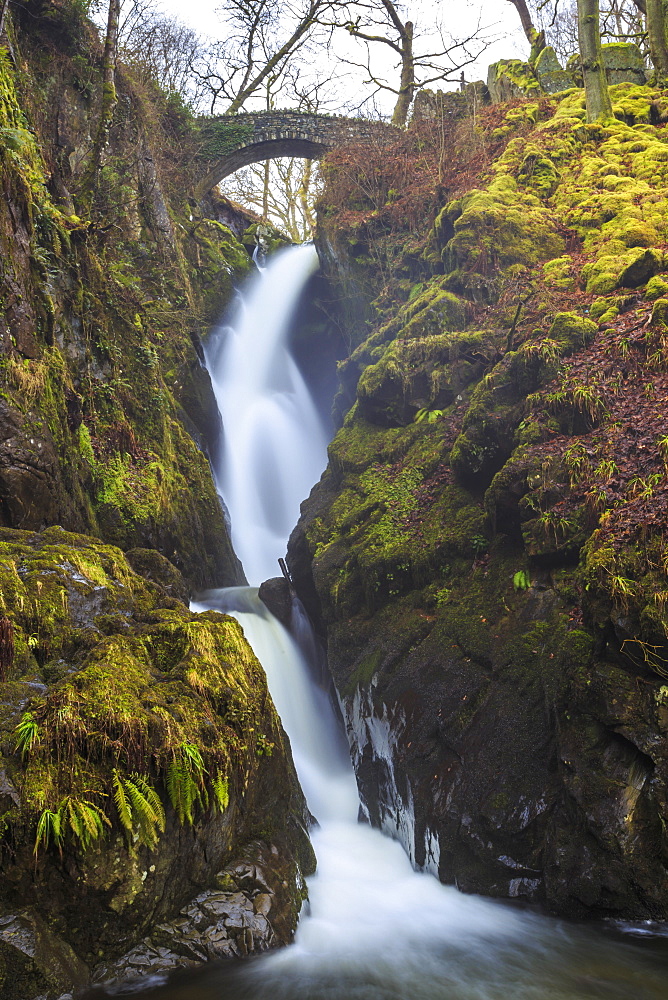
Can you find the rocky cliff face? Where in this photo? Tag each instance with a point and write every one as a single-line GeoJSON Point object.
{"type": "Point", "coordinates": [486, 552]}
{"type": "Point", "coordinates": [143, 768]}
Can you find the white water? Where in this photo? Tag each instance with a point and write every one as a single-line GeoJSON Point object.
{"type": "Point", "coordinates": [376, 929]}
{"type": "Point", "coordinates": [274, 446]}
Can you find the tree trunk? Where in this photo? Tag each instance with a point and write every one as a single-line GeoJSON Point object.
{"type": "Point", "coordinates": [407, 83]}
{"type": "Point", "coordinates": [3, 13]}
{"type": "Point", "coordinates": [109, 97]}
{"type": "Point", "coordinates": [656, 31]}
{"type": "Point", "coordinates": [535, 38]}
{"type": "Point", "coordinates": [302, 194]}
{"type": "Point", "coordinates": [596, 86]}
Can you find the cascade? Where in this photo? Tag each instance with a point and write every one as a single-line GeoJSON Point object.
{"type": "Point", "coordinates": [374, 929]}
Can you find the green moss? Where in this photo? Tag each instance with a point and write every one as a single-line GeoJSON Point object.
{"type": "Point", "coordinates": [141, 683]}
{"type": "Point", "coordinates": [660, 312]}
{"type": "Point", "coordinates": [427, 372]}
{"type": "Point", "coordinates": [571, 332]}
{"type": "Point", "coordinates": [657, 287]}
{"type": "Point", "coordinates": [509, 78]}
{"type": "Point", "coordinates": [500, 227]}
{"type": "Point", "coordinates": [559, 273]}
{"type": "Point", "coordinates": [629, 269]}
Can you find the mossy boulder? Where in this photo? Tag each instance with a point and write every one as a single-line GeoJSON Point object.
{"type": "Point", "coordinates": [489, 428]}
{"type": "Point", "coordinates": [508, 79]}
{"type": "Point", "coordinates": [657, 287]}
{"type": "Point", "coordinates": [500, 227]}
{"type": "Point", "coordinates": [552, 77]}
{"type": "Point", "coordinates": [139, 746]}
{"type": "Point", "coordinates": [623, 63]}
{"type": "Point", "coordinates": [428, 373]}
{"type": "Point", "coordinates": [630, 269]}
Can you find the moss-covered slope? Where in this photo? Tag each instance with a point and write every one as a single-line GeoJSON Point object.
{"type": "Point", "coordinates": [487, 549]}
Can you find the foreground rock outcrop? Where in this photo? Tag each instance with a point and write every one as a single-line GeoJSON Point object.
{"type": "Point", "coordinates": [141, 754]}
{"type": "Point", "coordinates": [486, 553]}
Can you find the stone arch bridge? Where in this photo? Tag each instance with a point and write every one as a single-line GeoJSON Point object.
{"type": "Point", "coordinates": [239, 140]}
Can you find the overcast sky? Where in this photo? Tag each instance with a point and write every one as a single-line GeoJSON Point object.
{"type": "Point", "coordinates": [498, 18]}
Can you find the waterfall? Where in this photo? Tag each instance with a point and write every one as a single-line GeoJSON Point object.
{"type": "Point", "coordinates": [274, 446]}
{"type": "Point", "coordinates": [375, 928]}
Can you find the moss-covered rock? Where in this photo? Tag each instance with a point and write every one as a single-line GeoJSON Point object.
{"type": "Point", "coordinates": [623, 63]}
{"type": "Point", "coordinates": [104, 411]}
{"type": "Point", "coordinates": [511, 78]}
{"type": "Point", "coordinates": [499, 227]}
{"type": "Point", "coordinates": [130, 728]}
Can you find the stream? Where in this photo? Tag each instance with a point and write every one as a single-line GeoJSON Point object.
{"type": "Point", "coordinates": [374, 929]}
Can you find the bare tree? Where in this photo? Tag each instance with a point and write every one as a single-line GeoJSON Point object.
{"type": "Point", "coordinates": [166, 51]}
{"type": "Point", "coordinates": [377, 23]}
{"type": "Point", "coordinates": [260, 38]}
{"type": "Point", "coordinates": [286, 201]}
{"type": "Point", "coordinates": [656, 30]}
{"type": "Point", "coordinates": [621, 20]}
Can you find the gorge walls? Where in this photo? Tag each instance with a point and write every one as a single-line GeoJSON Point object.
{"type": "Point", "coordinates": [486, 553]}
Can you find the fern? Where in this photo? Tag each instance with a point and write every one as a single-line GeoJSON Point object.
{"type": "Point", "coordinates": [123, 807]}
{"type": "Point", "coordinates": [139, 808]}
{"type": "Point", "coordinates": [81, 817]}
{"type": "Point", "coordinates": [148, 814]}
{"type": "Point", "coordinates": [48, 830]}
{"type": "Point", "coordinates": [85, 819]}
{"type": "Point", "coordinates": [153, 799]}
{"type": "Point", "coordinates": [221, 794]}
{"type": "Point", "coordinates": [185, 782]}
{"type": "Point", "coordinates": [27, 733]}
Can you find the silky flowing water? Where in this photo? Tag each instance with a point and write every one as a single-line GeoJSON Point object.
{"type": "Point", "coordinates": [374, 929]}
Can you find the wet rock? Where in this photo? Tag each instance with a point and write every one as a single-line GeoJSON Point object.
{"type": "Point", "coordinates": [158, 569]}
{"type": "Point", "coordinates": [115, 637]}
{"type": "Point", "coordinates": [215, 925]}
{"type": "Point", "coordinates": [29, 472]}
{"type": "Point", "coordinates": [34, 960]}
{"type": "Point", "coordinates": [277, 597]}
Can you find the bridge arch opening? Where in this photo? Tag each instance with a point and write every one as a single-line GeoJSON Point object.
{"type": "Point", "coordinates": [272, 149]}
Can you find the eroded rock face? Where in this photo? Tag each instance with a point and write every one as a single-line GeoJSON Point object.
{"type": "Point", "coordinates": [508, 758]}
{"type": "Point", "coordinates": [276, 596]}
{"type": "Point", "coordinates": [250, 911]}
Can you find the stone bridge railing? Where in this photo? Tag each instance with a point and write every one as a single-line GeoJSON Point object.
{"type": "Point", "coordinates": [238, 140]}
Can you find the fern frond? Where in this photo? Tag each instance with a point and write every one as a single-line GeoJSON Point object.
{"type": "Point", "coordinates": [26, 733]}
{"type": "Point", "coordinates": [69, 813]}
{"type": "Point", "coordinates": [193, 757]}
{"type": "Point", "coordinates": [48, 829]}
{"type": "Point", "coordinates": [85, 819]}
{"type": "Point", "coordinates": [152, 797]}
{"type": "Point", "coordinates": [221, 793]}
{"type": "Point", "coordinates": [146, 818]}
{"type": "Point", "coordinates": [93, 820]}
{"type": "Point", "coordinates": [123, 807]}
